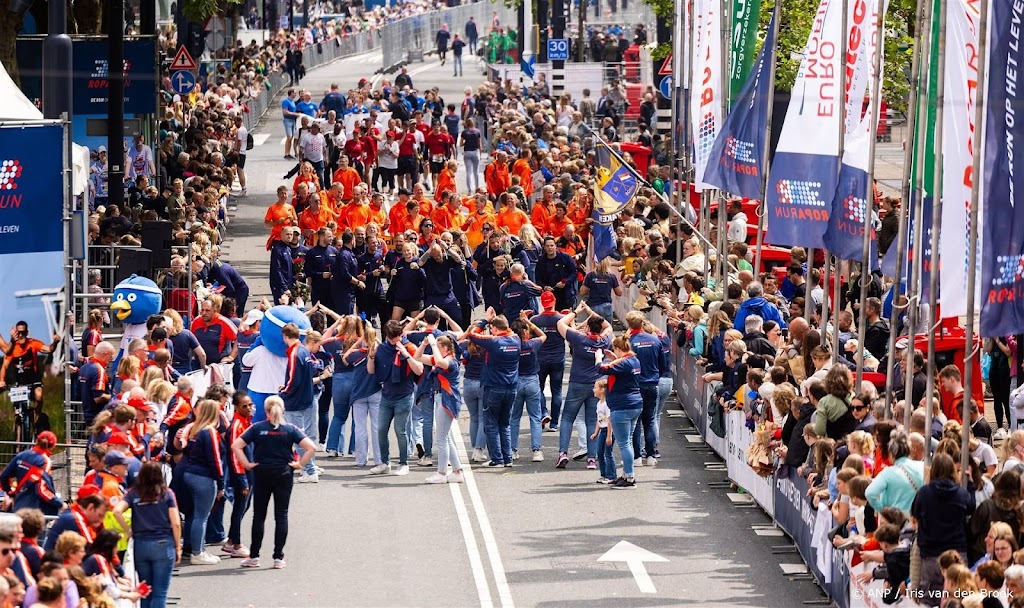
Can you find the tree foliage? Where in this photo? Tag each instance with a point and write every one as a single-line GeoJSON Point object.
{"type": "Point", "coordinates": [201, 10]}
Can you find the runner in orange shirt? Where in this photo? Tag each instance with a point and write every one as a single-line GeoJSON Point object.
{"type": "Point", "coordinates": [347, 177]}
{"type": "Point", "coordinates": [510, 217]}
{"type": "Point", "coordinates": [523, 169]}
{"type": "Point", "coordinates": [446, 180]}
{"type": "Point", "coordinates": [558, 222]}
{"type": "Point", "coordinates": [399, 212]}
{"type": "Point", "coordinates": [315, 217]}
{"type": "Point", "coordinates": [357, 213]}
{"type": "Point", "coordinates": [377, 215]}
{"type": "Point", "coordinates": [444, 214]}
{"type": "Point", "coordinates": [332, 198]}
{"type": "Point", "coordinates": [279, 215]}
{"type": "Point", "coordinates": [496, 175]}
{"type": "Point", "coordinates": [306, 176]}
{"type": "Point", "coordinates": [540, 215]}
{"type": "Point", "coordinates": [419, 194]}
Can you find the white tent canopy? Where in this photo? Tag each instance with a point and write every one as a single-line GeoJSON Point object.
{"type": "Point", "coordinates": [15, 106]}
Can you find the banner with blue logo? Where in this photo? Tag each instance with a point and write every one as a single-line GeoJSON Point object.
{"type": "Point", "coordinates": [1002, 268]}
{"type": "Point", "coordinates": [913, 222]}
{"type": "Point", "coordinates": [31, 226]}
{"type": "Point", "coordinates": [615, 186]}
{"type": "Point", "coordinates": [738, 153]}
{"type": "Point", "coordinates": [805, 170]}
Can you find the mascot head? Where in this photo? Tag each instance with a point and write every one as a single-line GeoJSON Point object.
{"type": "Point", "coordinates": [276, 318]}
{"type": "Point", "coordinates": [135, 300]}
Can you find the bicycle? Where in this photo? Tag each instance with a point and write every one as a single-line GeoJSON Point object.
{"type": "Point", "coordinates": [27, 401]}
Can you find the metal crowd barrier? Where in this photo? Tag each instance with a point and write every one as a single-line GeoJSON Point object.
{"type": "Point", "coordinates": [782, 495]}
{"type": "Point", "coordinates": [414, 35]}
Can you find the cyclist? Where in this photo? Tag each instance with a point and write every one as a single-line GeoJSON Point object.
{"type": "Point", "coordinates": [22, 355]}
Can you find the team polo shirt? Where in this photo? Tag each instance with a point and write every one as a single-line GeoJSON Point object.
{"type": "Point", "coordinates": [93, 381]}
{"type": "Point", "coordinates": [407, 144]}
{"type": "Point", "coordinates": [517, 296]}
{"type": "Point", "coordinates": [600, 286]}
{"type": "Point", "coordinates": [584, 349]}
{"type": "Point", "coordinates": [438, 144]}
{"type": "Point", "coordinates": [215, 337]}
{"type": "Point", "coordinates": [392, 370]}
{"type": "Point", "coordinates": [648, 351]}
{"type": "Point", "coordinates": [528, 365]}
{"type": "Point", "coordinates": [272, 446]}
{"type": "Point", "coordinates": [501, 360]}
{"type": "Point", "coordinates": [623, 384]}
{"type": "Point", "coordinates": [553, 349]}
{"type": "Point", "coordinates": [308, 108]}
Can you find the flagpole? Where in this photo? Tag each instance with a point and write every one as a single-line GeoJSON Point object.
{"type": "Point", "coordinates": [933, 277]}
{"type": "Point", "coordinates": [972, 249]}
{"type": "Point", "coordinates": [869, 200]}
{"type": "Point", "coordinates": [677, 85]}
{"type": "Point", "coordinates": [685, 168]}
{"type": "Point", "coordinates": [723, 240]}
{"type": "Point", "coordinates": [845, 46]}
{"type": "Point", "coordinates": [917, 268]}
{"type": "Point", "coordinates": [766, 154]}
{"type": "Point", "coordinates": [917, 63]}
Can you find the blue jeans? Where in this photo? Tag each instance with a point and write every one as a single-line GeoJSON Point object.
{"type": "Point", "coordinates": [215, 524]}
{"type": "Point", "coordinates": [397, 411]}
{"type": "Point", "coordinates": [605, 457]}
{"type": "Point", "coordinates": [623, 422]}
{"type": "Point", "coordinates": [527, 394]}
{"type": "Point", "coordinates": [421, 424]}
{"type": "Point", "coordinates": [577, 396]}
{"type": "Point", "coordinates": [603, 310]}
{"type": "Point", "coordinates": [497, 420]}
{"type": "Point", "coordinates": [447, 451]}
{"type": "Point", "coordinates": [458, 65]}
{"type": "Point", "coordinates": [366, 411]}
{"type": "Point", "coordinates": [203, 491]}
{"type": "Point", "coordinates": [305, 420]}
{"type": "Point", "coordinates": [665, 386]}
{"type": "Point", "coordinates": [239, 506]}
{"type": "Point", "coordinates": [341, 388]}
{"type": "Point", "coordinates": [555, 371]}
{"type": "Point", "coordinates": [154, 563]}
{"type": "Point", "coordinates": [649, 393]}
{"type": "Point", "coordinates": [473, 396]}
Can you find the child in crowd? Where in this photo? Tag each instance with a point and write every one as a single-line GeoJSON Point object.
{"type": "Point", "coordinates": [753, 405]}
{"type": "Point", "coordinates": [861, 443]}
{"type": "Point", "coordinates": [810, 438]}
{"type": "Point", "coordinates": [603, 435]}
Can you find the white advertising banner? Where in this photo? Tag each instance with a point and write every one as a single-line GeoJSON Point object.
{"type": "Point", "coordinates": [706, 97]}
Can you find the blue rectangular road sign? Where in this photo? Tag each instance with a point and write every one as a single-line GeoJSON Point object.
{"type": "Point", "coordinates": [558, 49]}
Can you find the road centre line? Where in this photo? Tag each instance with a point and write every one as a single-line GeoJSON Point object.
{"type": "Point", "coordinates": [479, 573]}
{"type": "Point", "coordinates": [497, 568]}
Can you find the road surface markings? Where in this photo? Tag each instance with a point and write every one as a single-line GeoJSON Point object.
{"type": "Point", "coordinates": [497, 568]}
{"type": "Point", "coordinates": [479, 574]}
{"type": "Point", "coordinates": [258, 139]}
{"type": "Point", "coordinates": [634, 557]}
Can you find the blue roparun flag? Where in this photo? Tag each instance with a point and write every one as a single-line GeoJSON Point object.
{"type": "Point", "coordinates": [913, 222]}
{"type": "Point", "coordinates": [845, 234]}
{"type": "Point", "coordinates": [615, 187]}
{"type": "Point", "coordinates": [739, 147]}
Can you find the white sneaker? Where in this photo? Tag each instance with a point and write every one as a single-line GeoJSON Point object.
{"type": "Point", "coordinates": [538, 456]}
{"type": "Point", "coordinates": [652, 461]}
{"type": "Point", "coordinates": [204, 559]}
{"type": "Point", "coordinates": [478, 455]}
{"type": "Point", "coordinates": [381, 469]}
{"type": "Point", "coordinates": [319, 469]}
{"type": "Point", "coordinates": [456, 477]}
{"type": "Point", "coordinates": [515, 454]}
{"type": "Point", "coordinates": [580, 454]}
{"type": "Point", "coordinates": [426, 461]}
{"type": "Point", "coordinates": [436, 478]}
{"type": "Point", "coordinates": [638, 462]}
{"type": "Point", "coordinates": [402, 470]}
{"type": "Point", "coordinates": [321, 447]}
{"type": "Point", "coordinates": [332, 454]}
{"type": "Point", "coordinates": [305, 478]}
{"type": "Point", "coordinates": [999, 435]}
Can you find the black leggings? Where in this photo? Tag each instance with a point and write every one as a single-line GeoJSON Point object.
{"type": "Point", "coordinates": [276, 482]}
{"type": "Point", "coordinates": [999, 380]}
{"type": "Point", "coordinates": [324, 404]}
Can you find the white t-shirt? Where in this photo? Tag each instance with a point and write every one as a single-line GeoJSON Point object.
{"type": "Point", "coordinates": [985, 455]}
{"type": "Point", "coordinates": [385, 160]}
{"type": "Point", "coordinates": [737, 230]}
{"type": "Point", "coordinates": [243, 137]}
{"type": "Point", "coordinates": [603, 414]}
{"type": "Point", "coordinates": [140, 162]}
{"type": "Point", "coordinates": [313, 146]}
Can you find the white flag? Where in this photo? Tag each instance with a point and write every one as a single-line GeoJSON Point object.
{"type": "Point", "coordinates": [706, 97]}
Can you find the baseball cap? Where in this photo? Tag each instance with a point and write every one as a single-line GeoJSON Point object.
{"type": "Point", "coordinates": [88, 489]}
{"type": "Point", "coordinates": [48, 437]}
{"type": "Point", "coordinates": [114, 458]}
{"type": "Point", "coordinates": [138, 403]}
{"type": "Point", "coordinates": [252, 317]}
{"type": "Point", "coordinates": [547, 299]}
{"type": "Point", "coordinates": [901, 344]}
{"type": "Point", "coordinates": [101, 149]}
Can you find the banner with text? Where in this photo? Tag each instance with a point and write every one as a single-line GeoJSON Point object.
{"type": "Point", "coordinates": [805, 170]}
{"type": "Point", "coordinates": [959, 96]}
{"type": "Point", "coordinates": [706, 96]}
{"type": "Point", "coordinates": [746, 14]}
{"type": "Point", "coordinates": [1002, 308]}
{"type": "Point", "coordinates": [738, 153]}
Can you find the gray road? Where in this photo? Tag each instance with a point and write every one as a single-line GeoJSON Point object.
{"type": "Point", "coordinates": [529, 536]}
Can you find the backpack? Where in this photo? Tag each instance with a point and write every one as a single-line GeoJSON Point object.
{"type": "Point", "coordinates": [249, 143]}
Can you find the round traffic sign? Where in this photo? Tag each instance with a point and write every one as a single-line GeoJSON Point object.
{"type": "Point", "coordinates": [665, 87]}
{"type": "Point", "coordinates": [215, 41]}
{"type": "Point", "coordinates": [182, 82]}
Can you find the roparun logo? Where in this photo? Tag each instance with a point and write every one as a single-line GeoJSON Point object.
{"type": "Point", "coordinates": [10, 171]}
{"type": "Point", "coordinates": [853, 209]}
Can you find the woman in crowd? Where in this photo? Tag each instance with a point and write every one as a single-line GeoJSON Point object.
{"type": "Point", "coordinates": [473, 395]}
{"type": "Point", "coordinates": [341, 347]}
{"type": "Point", "coordinates": [717, 329]}
{"type": "Point", "coordinates": [273, 465]}
{"type": "Point", "coordinates": [897, 484]}
{"type": "Point", "coordinates": [202, 467]}
{"type": "Point", "coordinates": [185, 345]}
{"type": "Point", "coordinates": [624, 402]}
{"type": "Point", "coordinates": [530, 249]}
{"type": "Point", "coordinates": [444, 381]}
{"type": "Point", "coordinates": [407, 283]}
{"type": "Point", "coordinates": [365, 396]}
{"type": "Point", "coordinates": [528, 393]}
{"type": "Point", "coordinates": [464, 279]}
{"type": "Point", "coordinates": [697, 327]}
{"type": "Point", "coordinates": [1003, 506]}
{"type": "Point", "coordinates": [598, 287]}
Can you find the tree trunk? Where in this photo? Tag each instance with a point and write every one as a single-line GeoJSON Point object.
{"type": "Point", "coordinates": [10, 23]}
{"type": "Point", "coordinates": [72, 21]}
{"type": "Point", "coordinates": [89, 15]}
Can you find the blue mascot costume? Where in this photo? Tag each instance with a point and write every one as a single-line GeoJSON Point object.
{"type": "Point", "coordinates": [135, 300]}
{"type": "Point", "coordinates": [268, 355]}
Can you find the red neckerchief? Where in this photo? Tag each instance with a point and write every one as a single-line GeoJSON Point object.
{"type": "Point", "coordinates": [83, 524]}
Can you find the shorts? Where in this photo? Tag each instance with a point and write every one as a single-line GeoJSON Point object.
{"type": "Point", "coordinates": [436, 167]}
{"type": "Point", "coordinates": [289, 127]}
{"type": "Point", "coordinates": [240, 163]}
{"type": "Point", "coordinates": [408, 305]}
{"type": "Point", "coordinates": [407, 165]}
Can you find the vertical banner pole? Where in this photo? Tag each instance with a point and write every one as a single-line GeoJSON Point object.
{"type": "Point", "coordinates": [845, 46]}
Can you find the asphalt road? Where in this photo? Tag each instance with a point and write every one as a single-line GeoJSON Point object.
{"type": "Point", "coordinates": [527, 536]}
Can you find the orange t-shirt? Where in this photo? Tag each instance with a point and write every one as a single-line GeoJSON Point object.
{"type": "Point", "coordinates": [356, 214]}
{"type": "Point", "coordinates": [426, 207]}
{"type": "Point", "coordinates": [522, 168]}
{"type": "Point", "coordinates": [279, 212]}
{"type": "Point", "coordinates": [302, 179]}
{"type": "Point", "coordinates": [497, 179]}
{"type": "Point", "coordinates": [540, 215]}
{"type": "Point", "coordinates": [397, 216]}
{"type": "Point", "coordinates": [556, 226]}
{"type": "Point", "coordinates": [443, 218]}
{"type": "Point", "coordinates": [474, 223]}
{"type": "Point", "coordinates": [445, 183]}
{"type": "Point", "coordinates": [309, 221]}
{"type": "Point", "coordinates": [377, 216]}
{"type": "Point", "coordinates": [511, 219]}
{"type": "Point", "coordinates": [349, 178]}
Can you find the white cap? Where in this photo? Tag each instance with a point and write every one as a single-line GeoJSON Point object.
{"type": "Point", "coordinates": [253, 317]}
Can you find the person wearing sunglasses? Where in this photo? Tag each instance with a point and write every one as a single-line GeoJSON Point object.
{"type": "Point", "coordinates": [860, 405]}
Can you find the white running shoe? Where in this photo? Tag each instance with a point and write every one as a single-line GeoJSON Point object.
{"type": "Point", "coordinates": [436, 478]}
{"type": "Point", "coordinates": [402, 470]}
{"type": "Point", "coordinates": [305, 478]}
{"type": "Point", "coordinates": [321, 447]}
{"type": "Point", "coordinates": [250, 562]}
{"type": "Point", "coordinates": [652, 461]}
{"type": "Point", "coordinates": [515, 454]}
{"type": "Point", "coordinates": [456, 477]}
{"type": "Point", "coordinates": [332, 454]}
{"type": "Point", "coordinates": [204, 559]}
{"type": "Point", "coordinates": [999, 435]}
{"type": "Point", "coordinates": [426, 461]}
{"type": "Point", "coordinates": [580, 454]}
{"type": "Point", "coordinates": [538, 456]}
{"type": "Point", "coordinates": [381, 469]}
{"type": "Point", "coordinates": [319, 469]}
{"type": "Point", "coordinates": [478, 455]}
{"type": "Point", "coordinates": [279, 564]}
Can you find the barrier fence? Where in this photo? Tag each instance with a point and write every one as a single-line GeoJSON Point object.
{"type": "Point", "coordinates": [782, 495]}
{"type": "Point", "coordinates": [413, 36]}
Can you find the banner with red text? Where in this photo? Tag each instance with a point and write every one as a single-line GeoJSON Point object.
{"type": "Point", "coordinates": [706, 95]}
{"type": "Point", "coordinates": [852, 202]}
{"type": "Point", "coordinates": [805, 171]}
{"type": "Point", "coordinates": [961, 82]}
{"type": "Point", "coordinates": [1002, 276]}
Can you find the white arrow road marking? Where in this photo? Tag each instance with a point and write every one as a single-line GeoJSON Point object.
{"type": "Point", "coordinates": [634, 557]}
